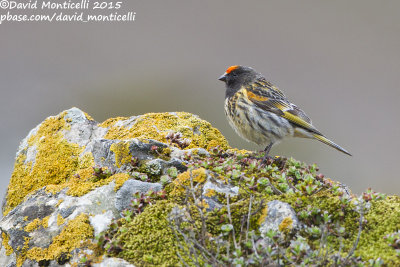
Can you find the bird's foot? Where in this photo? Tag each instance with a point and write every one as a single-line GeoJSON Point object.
{"type": "Point", "coordinates": [267, 160]}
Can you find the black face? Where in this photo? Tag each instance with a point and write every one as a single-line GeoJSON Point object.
{"type": "Point", "coordinates": [236, 77]}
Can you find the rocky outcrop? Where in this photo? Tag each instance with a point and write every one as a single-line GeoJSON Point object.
{"type": "Point", "coordinates": [73, 173]}
{"type": "Point", "coordinates": [124, 192]}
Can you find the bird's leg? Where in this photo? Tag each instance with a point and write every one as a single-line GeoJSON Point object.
{"type": "Point", "coordinates": [266, 151]}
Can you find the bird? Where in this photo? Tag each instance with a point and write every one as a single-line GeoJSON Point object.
{"type": "Point", "coordinates": [259, 112]}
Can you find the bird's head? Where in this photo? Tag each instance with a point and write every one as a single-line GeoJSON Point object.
{"type": "Point", "coordinates": [237, 76]}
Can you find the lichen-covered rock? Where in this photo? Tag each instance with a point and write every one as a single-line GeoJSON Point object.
{"type": "Point", "coordinates": [130, 187]}
{"type": "Point", "coordinates": [73, 176]}
{"type": "Point", "coordinates": [71, 143]}
{"type": "Point", "coordinates": [280, 217]}
{"type": "Point", "coordinates": [165, 189]}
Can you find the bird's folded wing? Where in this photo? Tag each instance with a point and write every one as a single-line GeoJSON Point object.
{"type": "Point", "coordinates": [283, 108]}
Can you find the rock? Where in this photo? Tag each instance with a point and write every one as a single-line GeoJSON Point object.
{"type": "Point", "coordinates": [213, 185]}
{"type": "Point", "coordinates": [125, 193]}
{"type": "Point", "coordinates": [7, 260]}
{"type": "Point", "coordinates": [113, 262]}
{"type": "Point", "coordinates": [100, 222]}
{"type": "Point", "coordinates": [73, 177]}
{"type": "Point", "coordinates": [220, 187]}
{"type": "Point", "coordinates": [280, 217]}
{"type": "Point", "coordinates": [56, 200]}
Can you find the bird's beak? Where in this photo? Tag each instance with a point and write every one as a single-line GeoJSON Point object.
{"type": "Point", "coordinates": [223, 77]}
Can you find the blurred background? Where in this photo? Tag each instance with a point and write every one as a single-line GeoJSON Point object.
{"type": "Point", "coordinates": [337, 60]}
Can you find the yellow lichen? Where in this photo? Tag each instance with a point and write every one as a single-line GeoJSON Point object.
{"type": "Point", "coordinates": [264, 214]}
{"type": "Point", "coordinates": [183, 180]}
{"type": "Point", "coordinates": [70, 238]}
{"type": "Point", "coordinates": [210, 193]}
{"type": "Point", "coordinates": [121, 151]}
{"type": "Point", "coordinates": [33, 225]}
{"type": "Point", "coordinates": [56, 160]}
{"type": "Point", "coordinates": [6, 239]}
{"type": "Point", "coordinates": [157, 125]}
{"type": "Point", "coordinates": [286, 224]}
{"type": "Point", "coordinates": [21, 255]}
{"type": "Point", "coordinates": [242, 152]}
{"type": "Point", "coordinates": [20, 260]}
{"type": "Point", "coordinates": [111, 122]}
{"type": "Point", "coordinates": [45, 221]}
{"type": "Point", "coordinates": [79, 187]}
{"type": "Point", "coordinates": [14, 196]}
{"type": "Point", "coordinates": [166, 151]}
{"type": "Point", "coordinates": [86, 161]}
{"type": "Point", "coordinates": [59, 202]}
{"type": "Point", "coordinates": [203, 205]}
{"type": "Point", "coordinates": [60, 219]}
{"type": "Point", "coordinates": [120, 179]}
{"type": "Point", "coordinates": [88, 116]}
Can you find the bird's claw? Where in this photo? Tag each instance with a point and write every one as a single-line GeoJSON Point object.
{"type": "Point", "coordinates": [267, 160]}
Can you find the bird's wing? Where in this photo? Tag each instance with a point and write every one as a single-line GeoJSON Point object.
{"type": "Point", "coordinates": [263, 87]}
{"type": "Point", "coordinates": [269, 98]}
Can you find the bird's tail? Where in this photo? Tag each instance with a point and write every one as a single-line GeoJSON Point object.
{"type": "Point", "coordinates": [325, 140]}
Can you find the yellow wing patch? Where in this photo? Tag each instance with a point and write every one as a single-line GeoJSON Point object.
{"type": "Point", "coordinates": [253, 96]}
{"type": "Point", "coordinates": [297, 120]}
{"type": "Point", "coordinates": [281, 106]}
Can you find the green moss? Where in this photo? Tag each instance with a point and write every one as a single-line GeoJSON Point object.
{"type": "Point", "coordinates": [148, 234]}
{"type": "Point", "coordinates": [306, 191]}
{"type": "Point", "coordinates": [147, 239]}
{"type": "Point", "coordinates": [157, 125]}
{"type": "Point", "coordinates": [383, 219]}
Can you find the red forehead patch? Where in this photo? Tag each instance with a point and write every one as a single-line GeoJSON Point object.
{"type": "Point", "coordinates": [231, 68]}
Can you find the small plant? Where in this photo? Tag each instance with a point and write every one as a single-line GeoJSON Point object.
{"type": "Point", "coordinates": [394, 241]}
{"type": "Point", "coordinates": [234, 245]}
{"type": "Point", "coordinates": [140, 201]}
{"type": "Point", "coordinates": [140, 176]}
{"type": "Point", "coordinates": [217, 229]}
{"type": "Point", "coordinates": [176, 139]}
{"type": "Point", "coordinates": [372, 195]}
{"type": "Point", "coordinates": [100, 173]}
{"type": "Point", "coordinates": [107, 241]}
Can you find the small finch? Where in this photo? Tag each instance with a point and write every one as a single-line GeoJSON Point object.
{"type": "Point", "coordinates": [260, 113]}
